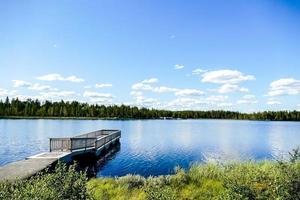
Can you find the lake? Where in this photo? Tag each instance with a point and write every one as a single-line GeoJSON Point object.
{"type": "Point", "coordinates": [155, 147]}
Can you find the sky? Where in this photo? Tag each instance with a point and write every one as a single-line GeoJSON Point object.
{"type": "Point", "coordinates": [177, 55]}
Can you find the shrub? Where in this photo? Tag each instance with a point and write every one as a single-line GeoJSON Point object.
{"type": "Point", "coordinates": [131, 181]}
{"type": "Point", "coordinates": [64, 183]}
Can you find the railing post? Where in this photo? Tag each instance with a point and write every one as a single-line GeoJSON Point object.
{"type": "Point", "coordinates": [70, 144]}
{"type": "Point", "coordinates": [71, 148]}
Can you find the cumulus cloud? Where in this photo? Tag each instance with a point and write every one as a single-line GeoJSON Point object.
{"type": "Point", "coordinates": [198, 71]}
{"type": "Point", "coordinates": [53, 96]}
{"type": "Point", "coordinates": [97, 95]}
{"type": "Point", "coordinates": [184, 103]}
{"type": "Point", "coordinates": [103, 85]}
{"type": "Point", "coordinates": [99, 98]}
{"type": "Point", "coordinates": [58, 77]}
{"type": "Point", "coordinates": [164, 89]}
{"type": "Point", "coordinates": [225, 77]}
{"type": "Point", "coordinates": [216, 98]}
{"type": "Point", "coordinates": [247, 99]}
{"type": "Point", "coordinates": [225, 104]}
{"type": "Point", "coordinates": [178, 66]}
{"type": "Point", "coordinates": [273, 102]}
{"type": "Point", "coordinates": [20, 83]}
{"type": "Point", "coordinates": [150, 80]}
{"type": "Point", "coordinates": [284, 86]}
{"type": "Point", "coordinates": [141, 86]}
{"type": "Point", "coordinates": [32, 86]}
{"type": "Point", "coordinates": [146, 85]}
{"type": "Point", "coordinates": [193, 103]}
{"type": "Point", "coordinates": [229, 88]}
{"type": "Point", "coordinates": [39, 87]}
{"type": "Point", "coordinates": [136, 93]}
{"type": "Point", "coordinates": [189, 92]}
{"type": "Point", "coordinates": [58, 94]}
{"type": "Point", "coordinates": [141, 101]}
{"type": "Point", "coordinates": [7, 93]}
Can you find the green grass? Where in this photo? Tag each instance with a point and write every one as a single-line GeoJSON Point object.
{"type": "Point", "coordinates": [248, 180]}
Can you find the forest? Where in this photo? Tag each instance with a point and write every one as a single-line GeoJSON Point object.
{"type": "Point", "coordinates": [47, 109]}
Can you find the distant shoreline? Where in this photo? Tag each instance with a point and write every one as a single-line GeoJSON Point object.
{"type": "Point", "coordinates": [115, 118]}
{"type": "Point", "coordinates": [34, 109]}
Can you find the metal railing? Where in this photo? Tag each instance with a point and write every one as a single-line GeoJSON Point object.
{"type": "Point", "coordinates": [90, 140]}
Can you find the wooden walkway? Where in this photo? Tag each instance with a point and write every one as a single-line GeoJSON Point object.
{"type": "Point", "coordinates": [61, 149]}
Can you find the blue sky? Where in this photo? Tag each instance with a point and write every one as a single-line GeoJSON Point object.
{"type": "Point", "coordinates": [200, 55]}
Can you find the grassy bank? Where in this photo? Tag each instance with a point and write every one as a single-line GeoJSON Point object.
{"type": "Point", "coordinates": [249, 180]}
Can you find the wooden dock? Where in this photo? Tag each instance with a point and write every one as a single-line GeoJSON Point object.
{"type": "Point", "coordinates": [61, 149]}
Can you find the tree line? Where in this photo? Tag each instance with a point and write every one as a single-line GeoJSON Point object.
{"type": "Point", "coordinates": [74, 109]}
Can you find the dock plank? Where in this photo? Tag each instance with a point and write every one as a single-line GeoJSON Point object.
{"type": "Point", "coordinates": [24, 168]}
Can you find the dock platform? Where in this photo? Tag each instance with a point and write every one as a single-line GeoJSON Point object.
{"type": "Point", "coordinates": [61, 149]}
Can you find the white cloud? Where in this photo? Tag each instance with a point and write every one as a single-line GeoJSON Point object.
{"type": "Point", "coordinates": [20, 83]}
{"type": "Point", "coordinates": [225, 104]}
{"type": "Point", "coordinates": [184, 103]}
{"type": "Point", "coordinates": [150, 80]}
{"type": "Point", "coordinates": [141, 86]}
{"type": "Point", "coordinates": [97, 95]}
{"type": "Point", "coordinates": [249, 96]}
{"type": "Point", "coordinates": [192, 103]}
{"type": "Point", "coordinates": [229, 88]}
{"type": "Point", "coordinates": [189, 92]}
{"type": "Point", "coordinates": [142, 101]}
{"type": "Point", "coordinates": [103, 85]}
{"type": "Point", "coordinates": [136, 93]}
{"type": "Point", "coordinates": [60, 94]}
{"type": "Point", "coordinates": [225, 77]}
{"type": "Point", "coordinates": [145, 85]}
{"type": "Point", "coordinates": [7, 93]}
{"type": "Point", "coordinates": [216, 98]}
{"type": "Point", "coordinates": [100, 98]}
{"type": "Point", "coordinates": [58, 77]}
{"type": "Point", "coordinates": [164, 89]}
{"type": "Point", "coordinates": [284, 86]}
{"type": "Point", "coordinates": [273, 102]}
{"type": "Point", "coordinates": [102, 101]}
{"type": "Point", "coordinates": [32, 86]}
{"type": "Point", "coordinates": [198, 71]}
{"type": "Point", "coordinates": [149, 102]}
{"type": "Point", "coordinates": [178, 66]}
{"type": "Point", "coordinates": [39, 87]}
{"type": "Point", "coordinates": [247, 99]}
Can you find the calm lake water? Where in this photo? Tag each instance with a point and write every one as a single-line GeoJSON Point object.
{"type": "Point", "coordinates": [154, 147]}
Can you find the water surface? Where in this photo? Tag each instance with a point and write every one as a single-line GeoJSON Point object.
{"type": "Point", "coordinates": [154, 147]}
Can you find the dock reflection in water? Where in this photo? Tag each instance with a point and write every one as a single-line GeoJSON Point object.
{"type": "Point", "coordinates": [93, 164]}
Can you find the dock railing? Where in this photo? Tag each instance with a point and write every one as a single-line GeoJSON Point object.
{"type": "Point", "coordinates": [92, 140]}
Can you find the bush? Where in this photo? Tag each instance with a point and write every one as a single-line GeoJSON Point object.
{"type": "Point", "coordinates": [64, 183]}
{"type": "Point", "coordinates": [131, 181]}
{"type": "Point", "coordinates": [248, 180]}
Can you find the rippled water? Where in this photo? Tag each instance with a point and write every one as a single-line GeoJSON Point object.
{"type": "Point", "coordinates": [153, 147]}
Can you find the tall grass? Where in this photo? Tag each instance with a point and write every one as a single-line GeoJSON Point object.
{"type": "Point", "coordinates": [248, 180]}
